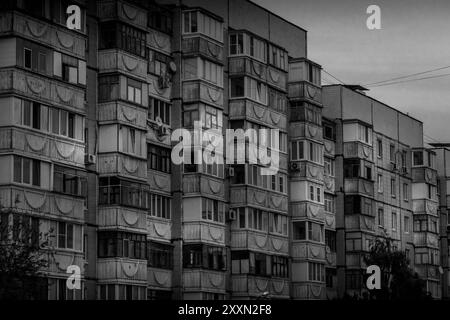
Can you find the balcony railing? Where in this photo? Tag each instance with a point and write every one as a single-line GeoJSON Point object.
{"type": "Point", "coordinates": [199, 45]}
{"type": "Point", "coordinates": [122, 218]}
{"type": "Point", "coordinates": [256, 286]}
{"type": "Point", "coordinates": [122, 269]}
{"type": "Point", "coordinates": [259, 241]}
{"type": "Point", "coordinates": [113, 60]}
{"type": "Point", "coordinates": [42, 144]}
{"type": "Point", "coordinates": [33, 200]}
{"type": "Point", "coordinates": [51, 91]}
{"type": "Point", "coordinates": [204, 280]}
{"type": "Point", "coordinates": [204, 232]}
{"type": "Point", "coordinates": [305, 90]}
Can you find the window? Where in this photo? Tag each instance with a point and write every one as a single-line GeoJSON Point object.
{"type": "Point", "coordinates": [280, 267]}
{"type": "Point", "coordinates": [257, 49]}
{"type": "Point", "coordinates": [394, 221]}
{"type": "Point", "coordinates": [392, 153]}
{"type": "Point", "coordinates": [130, 140]}
{"type": "Point", "coordinates": [115, 191]}
{"type": "Point", "coordinates": [379, 148]}
{"type": "Point", "coordinates": [134, 91]}
{"type": "Point", "coordinates": [212, 210]}
{"type": "Point", "coordinates": [204, 256]}
{"type": "Point", "coordinates": [353, 279]}
{"type": "Point", "coordinates": [158, 158]}
{"type": "Point", "coordinates": [380, 217]}
{"type": "Point", "coordinates": [329, 166]}
{"type": "Point", "coordinates": [256, 90]}
{"type": "Point", "coordinates": [297, 150]}
{"type": "Point", "coordinates": [316, 272]}
{"type": "Point", "coordinates": [122, 244]}
{"type": "Point", "coordinates": [69, 181]}
{"type": "Point", "coordinates": [393, 188]}
{"type": "Point", "coordinates": [108, 88]}
{"type": "Point", "coordinates": [330, 274]}
{"type": "Point", "coordinates": [407, 225]}
{"type": "Point", "coordinates": [114, 35]}
{"type": "Point", "coordinates": [405, 192]}
{"type": "Point", "coordinates": [159, 110]}
{"type": "Point", "coordinates": [42, 62]}
{"type": "Point", "coordinates": [159, 206]}
{"type": "Point", "coordinates": [237, 87]}
{"type": "Point", "coordinates": [27, 53]}
{"type": "Point", "coordinates": [330, 240]}
{"type": "Point", "coordinates": [351, 168]}
{"type": "Point", "coordinates": [303, 111]}
{"type": "Point", "coordinates": [277, 100]}
{"type": "Point", "coordinates": [213, 118]}
{"type": "Point", "coordinates": [329, 203]}
{"type": "Point", "coordinates": [69, 236]}
{"type": "Point", "coordinates": [278, 224]}
{"type": "Point", "coordinates": [278, 57]}
{"type": "Point", "coordinates": [315, 232]}
{"type": "Point", "coordinates": [260, 264]}
{"type": "Point", "coordinates": [189, 117]}
{"type": "Point", "coordinates": [365, 134]}
{"type": "Point", "coordinates": [157, 62]}
{"type": "Point", "coordinates": [315, 152]}
{"type": "Point", "coordinates": [190, 22]}
{"type": "Point", "coordinates": [212, 72]}
{"type": "Point", "coordinates": [417, 158]}
{"type": "Point", "coordinates": [236, 44]}
{"type": "Point", "coordinates": [27, 171]}
{"type": "Point", "coordinates": [380, 182]}
{"type": "Point", "coordinates": [368, 175]}
{"type": "Point", "coordinates": [70, 73]}
{"type": "Point", "coordinates": [160, 255]}
{"type": "Point", "coordinates": [299, 229]}
{"type": "Point", "coordinates": [160, 19]}
{"type": "Point", "coordinates": [328, 132]}
{"type": "Point", "coordinates": [257, 219]}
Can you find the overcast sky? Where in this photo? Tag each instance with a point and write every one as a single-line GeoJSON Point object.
{"type": "Point", "coordinates": [414, 37]}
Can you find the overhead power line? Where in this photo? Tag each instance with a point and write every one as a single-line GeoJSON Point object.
{"type": "Point", "coordinates": [335, 78]}
{"type": "Point", "coordinates": [407, 76]}
{"type": "Point", "coordinates": [411, 80]}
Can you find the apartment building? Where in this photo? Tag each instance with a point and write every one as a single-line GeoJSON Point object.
{"type": "Point", "coordinates": [87, 124]}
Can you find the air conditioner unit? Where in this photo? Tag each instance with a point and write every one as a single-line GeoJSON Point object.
{"type": "Point", "coordinates": [90, 158]}
{"type": "Point", "coordinates": [163, 130]}
{"type": "Point", "coordinates": [293, 166]}
{"type": "Point", "coordinates": [232, 215]}
{"type": "Point", "coordinates": [230, 172]}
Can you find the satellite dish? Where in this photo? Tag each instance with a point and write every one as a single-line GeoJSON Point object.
{"type": "Point", "coordinates": [172, 67]}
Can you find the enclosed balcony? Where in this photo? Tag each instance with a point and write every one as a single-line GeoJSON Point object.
{"type": "Point", "coordinates": [204, 232]}
{"type": "Point", "coordinates": [201, 280]}
{"type": "Point", "coordinates": [55, 36]}
{"type": "Point", "coordinates": [120, 218]}
{"type": "Point", "coordinates": [114, 60]}
{"type": "Point", "coordinates": [249, 110]}
{"type": "Point", "coordinates": [199, 45]}
{"type": "Point", "coordinates": [47, 90]}
{"type": "Point", "coordinates": [42, 144]}
{"type": "Point", "coordinates": [123, 11]}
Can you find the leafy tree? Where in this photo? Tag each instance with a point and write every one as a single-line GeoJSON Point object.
{"type": "Point", "coordinates": [21, 257]}
{"type": "Point", "coordinates": [398, 281]}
